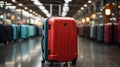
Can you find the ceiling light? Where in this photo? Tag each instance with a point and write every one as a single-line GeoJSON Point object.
{"type": "Point", "coordinates": [18, 9]}
{"type": "Point", "coordinates": [30, 10]}
{"type": "Point", "coordinates": [13, 0]}
{"type": "Point", "coordinates": [36, 14]}
{"type": "Point", "coordinates": [42, 7]}
{"type": "Point", "coordinates": [85, 5]}
{"type": "Point", "coordinates": [67, 1]}
{"type": "Point", "coordinates": [107, 11]}
{"type": "Point", "coordinates": [26, 8]}
{"type": "Point", "coordinates": [33, 12]}
{"type": "Point", "coordinates": [32, 0]}
{"type": "Point", "coordinates": [36, 2]}
{"type": "Point", "coordinates": [119, 6]}
{"type": "Point", "coordinates": [87, 19]}
{"type": "Point", "coordinates": [66, 4]}
{"type": "Point", "coordinates": [1, 16]}
{"type": "Point", "coordinates": [89, 1]}
{"type": "Point", "coordinates": [20, 4]}
{"type": "Point", "coordinates": [1, 5]}
{"type": "Point", "coordinates": [83, 20]}
{"type": "Point", "coordinates": [113, 3]}
{"type": "Point", "coordinates": [1, 2]}
{"type": "Point", "coordinates": [9, 4]}
{"type": "Point", "coordinates": [45, 11]}
{"type": "Point", "coordinates": [48, 14]}
{"type": "Point", "coordinates": [64, 14]}
{"type": "Point", "coordinates": [93, 16]}
{"type": "Point", "coordinates": [39, 15]}
{"type": "Point", "coordinates": [65, 8]}
{"type": "Point", "coordinates": [11, 7]}
{"type": "Point", "coordinates": [82, 8]}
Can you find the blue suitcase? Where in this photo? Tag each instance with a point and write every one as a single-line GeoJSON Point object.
{"type": "Point", "coordinates": [100, 32]}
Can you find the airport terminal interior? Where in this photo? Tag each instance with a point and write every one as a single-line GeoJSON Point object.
{"type": "Point", "coordinates": [31, 31]}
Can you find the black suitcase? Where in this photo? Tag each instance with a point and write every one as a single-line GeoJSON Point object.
{"type": "Point", "coordinates": [9, 32]}
{"type": "Point", "coordinates": [87, 34]}
{"type": "Point", "coordinates": [2, 33]}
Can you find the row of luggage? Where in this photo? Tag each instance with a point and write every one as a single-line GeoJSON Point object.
{"type": "Point", "coordinates": [15, 32]}
{"type": "Point", "coordinates": [107, 33]}
{"type": "Point", "coordinates": [59, 40]}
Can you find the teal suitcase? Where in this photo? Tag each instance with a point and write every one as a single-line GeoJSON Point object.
{"type": "Point", "coordinates": [15, 32]}
{"type": "Point", "coordinates": [28, 35]}
{"type": "Point", "coordinates": [44, 40]}
{"type": "Point", "coordinates": [32, 30]}
{"type": "Point", "coordinates": [23, 30]}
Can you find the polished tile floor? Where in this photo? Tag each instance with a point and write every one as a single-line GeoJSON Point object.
{"type": "Point", "coordinates": [28, 54]}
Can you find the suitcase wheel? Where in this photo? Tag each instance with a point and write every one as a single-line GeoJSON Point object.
{"type": "Point", "coordinates": [66, 64]}
{"type": "Point", "coordinates": [43, 61]}
{"type": "Point", "coordinates": [74, 61]}
{"type": "Point", "coordinates": [51, 64]}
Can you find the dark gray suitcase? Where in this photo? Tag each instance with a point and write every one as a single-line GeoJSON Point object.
{"type": "Point", "coordinates": [95, 32]}
{"type": "Point", "coordinates": [91, 31]}
{"type": "Point", "coordinates": [100, 32]}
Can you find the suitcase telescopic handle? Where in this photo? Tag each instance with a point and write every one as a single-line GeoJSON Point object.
{"type": "Point", "coordinates": [51, 6]}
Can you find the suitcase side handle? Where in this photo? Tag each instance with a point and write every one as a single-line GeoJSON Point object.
{"type": "Point", "coordinates": [43, 27]}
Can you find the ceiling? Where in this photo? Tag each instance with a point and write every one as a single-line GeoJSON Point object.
{"type": "Point", "coordinates": [74, 6]}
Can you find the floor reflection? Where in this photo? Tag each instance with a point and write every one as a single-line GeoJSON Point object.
{"type": "Point", "coordinates": [21, 54]}
{"type": "Point", "coordinates": [28, 54]}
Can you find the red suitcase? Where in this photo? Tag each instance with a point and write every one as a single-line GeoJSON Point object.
{"type": "Point", "coordinates": [110, 32]}
{"type": "Point", "coordinates": [78, 31]}
{"type": "Point", "coordinates": [118, 33]}
{"type": "Point", "coordinates": [62, 39]}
